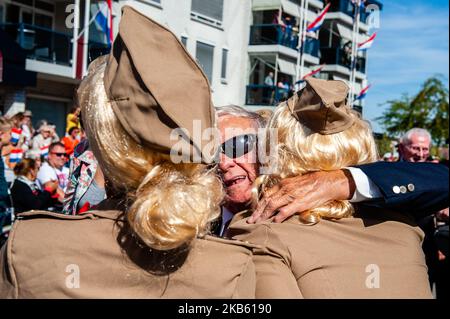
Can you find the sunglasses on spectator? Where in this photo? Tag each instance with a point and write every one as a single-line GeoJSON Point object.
{"type": "Point", "coordinates": [238, 146]}
{"type": "Point", "coordinates": [59, 154]}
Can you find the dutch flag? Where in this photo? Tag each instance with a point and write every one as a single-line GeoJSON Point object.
{"type": "Point", "coordinates": [15, 135]}
{"type": "Point", "coordinates": [44, 151]}
{"type": "Point", "coordinates": [103, 19]}
{"type": "Point", "coordinates": [363, 93]}
{"type": "Point", "coordinates": [314, 26]}
{"type": "Point", "coordinates": [16, 155]}
{"type": "Point", "coordinates": [367, 44]}
{"type": "Point", "coordinates": [311, 74]}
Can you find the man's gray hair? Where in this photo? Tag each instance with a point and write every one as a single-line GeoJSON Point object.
{"type": "Point", "coordinates": [238, 111]}
{"type": "Point", "coordinates": [406, 138]}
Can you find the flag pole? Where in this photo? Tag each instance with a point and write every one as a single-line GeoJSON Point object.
{"type": "Point", "coordinates": [299, 72]}
{"type": "Point", "coordinates": [354, 51]}
{"type": "Point", "coordinates": [302, 49]}
{"type": "Point", "coordinates": [87, 12]}
{"type": "Point", "coordinates": [76, 26]}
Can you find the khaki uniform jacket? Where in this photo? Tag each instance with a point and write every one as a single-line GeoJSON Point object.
{"type": "Point", "coordinates": [376, 254]}
{"type": "Point", "coordinates": [92, 255]}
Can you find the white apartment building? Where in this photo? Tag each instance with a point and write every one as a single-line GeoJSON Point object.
{"type": "Point", "coordinates": [238, 43]}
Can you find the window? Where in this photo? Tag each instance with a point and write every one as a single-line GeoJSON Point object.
{"type": "Point", "coordinates": [210, 11]}
{"type": "Point", "coordinates": [224, 64]}
{"type": "Point", "coordinates": [184, 41]}
{"type": "Point", "coordinates": [205, 57]}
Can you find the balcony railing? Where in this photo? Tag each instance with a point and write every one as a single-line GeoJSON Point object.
{"type": "Point", "coordinates": [273, 34]}
{"type": "Point", "coordinates": [340, 57]}
{"type": "Point", "coordinates": [347, 7]}
{"type": "Point", "coordinates": [97, 49]}
{"type": "Point", "coordinates": [41, 43]}
{"type": "Point", "coordinates": [265, 95]}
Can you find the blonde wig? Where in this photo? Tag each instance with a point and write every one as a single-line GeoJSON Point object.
{"type": "Point", "coordinates": [301, 151]}
{"type": "Point", "coordinates": [168, 204]}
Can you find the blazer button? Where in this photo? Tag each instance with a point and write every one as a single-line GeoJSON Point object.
{"type": "Point", "coordinates": [396, 189]}
{"type": "Point", "coordinates": [411, 187]}
{"type": "Point", "coordinates": [403, 189]}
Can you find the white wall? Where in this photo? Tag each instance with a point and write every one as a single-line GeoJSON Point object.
{"type": "Point", "coordinates": [234, 36]}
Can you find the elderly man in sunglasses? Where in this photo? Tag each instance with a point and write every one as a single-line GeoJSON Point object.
{"type": "Point", "coordinates": [399, 186]}
{"type": "Point", "coordinates": [54, 169]}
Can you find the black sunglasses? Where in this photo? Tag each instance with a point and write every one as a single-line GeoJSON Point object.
{"type": "Point", "coordinates": [238, 146]}
{"type": "Point", "coordinates": [60, 154]}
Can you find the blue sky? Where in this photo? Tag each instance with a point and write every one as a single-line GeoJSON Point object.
{"type": "Point", "coordinates": [411, 46]}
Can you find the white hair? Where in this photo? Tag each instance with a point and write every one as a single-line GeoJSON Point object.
{"type": "Point", "coordinates": [406, 138]}
{"type": "Point", "coordinates": [238, 111]}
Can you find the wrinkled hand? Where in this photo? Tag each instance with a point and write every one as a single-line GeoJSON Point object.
{"type": "Point", "coordinates": [301, 193]}
{"type": "Point", "coordinates": [443, 214]}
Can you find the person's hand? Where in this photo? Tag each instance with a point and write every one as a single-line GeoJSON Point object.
{"type": "Point", "coordinates": [51, 186]}
{"type": "Point", "coordinates": [61, 194]}
{"type": "Point", "coordinates": [301, 193]}
{"type": "Point", "coordinates": [443, 214]}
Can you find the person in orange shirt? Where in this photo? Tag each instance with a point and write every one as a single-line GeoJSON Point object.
{"type": "Point", "coordinates": [71, 140]}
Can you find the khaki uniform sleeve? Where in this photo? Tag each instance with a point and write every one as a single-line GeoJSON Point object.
{"type": "Point", "coordinates": [7, 277]}
{"type": "Point", "coordinates": [274, 277]}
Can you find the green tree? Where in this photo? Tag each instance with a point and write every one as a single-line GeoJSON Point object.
{"type": "Point", "coordinates": [428, 110]}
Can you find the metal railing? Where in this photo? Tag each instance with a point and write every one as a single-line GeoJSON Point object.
{"type": "Point", "coordinates": [347, 7]}
{"type": "Point", "coordinates": [49, 45]}
{"type": "Point", "coordinates": [270, 34]}
{"type": "Point", "coordinates": [41, 43]}
{"type": "Point", "coordinates": [341, 57]}
{"type": "Point", "coordinates": [257, 94]}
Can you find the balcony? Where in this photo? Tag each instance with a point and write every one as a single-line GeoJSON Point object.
{"type": "Point", "coordinates": [338, 56]}
{"type": "Point", "coordinates": [273, 34]}
{"type": "Point", "coordinates": [49, 51]}
{"type": "Point", "coordinates": [347, 7]}
{"type": "Point", "coordinates": [265, 95]}
{"type": "Point", "coordinates": [40, 43]}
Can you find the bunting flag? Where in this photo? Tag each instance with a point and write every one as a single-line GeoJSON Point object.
{"type": "Point", "coordinates": [15, 135]}
{"type": "Point", "coordinates": [16, 155]}
{"type": "Point", "coordinates": [363, 93]}
{"type": "Point", "coordinates": [316, 24]}
{"type": "Point", "coordinates": [367, 44]}
{"type": "Point", "coordinates": [44, 151]}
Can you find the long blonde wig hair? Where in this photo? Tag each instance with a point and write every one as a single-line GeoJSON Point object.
{"type": "Point", "coordinates": [168, 205]}
{"type": "Point", "coordinates": [300, 151]}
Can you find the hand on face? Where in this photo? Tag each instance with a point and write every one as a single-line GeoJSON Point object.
{"type": "Point", "coordinates": [301, 193]}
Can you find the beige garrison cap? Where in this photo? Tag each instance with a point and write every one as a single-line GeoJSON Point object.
{"type": "Point", "coordinates": [155, 86]}
{"type": "Point", "coordinates": [321, 106]}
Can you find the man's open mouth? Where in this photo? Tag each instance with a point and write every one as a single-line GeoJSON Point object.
{"type": "Point", "coordinates": [235, 180]}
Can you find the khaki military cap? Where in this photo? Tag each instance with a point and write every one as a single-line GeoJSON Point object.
{"type": "Point", "coordinates": [321, 106]}
{"type": "Point", "coordinates": [155, 86]}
